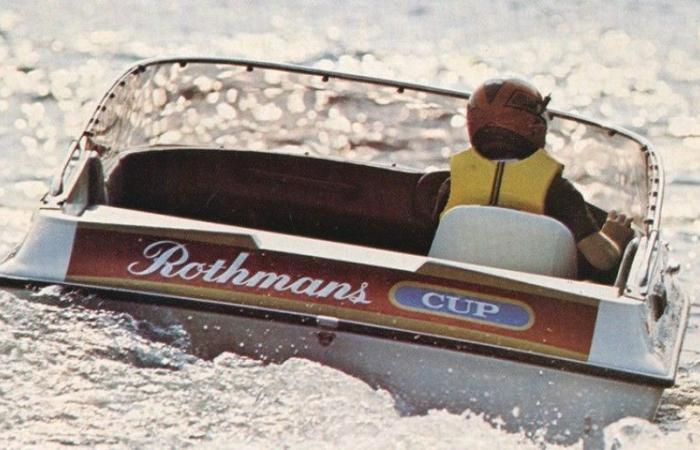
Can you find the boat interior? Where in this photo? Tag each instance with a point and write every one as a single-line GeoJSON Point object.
{"type": "Point", "coordinates": [362, 204]}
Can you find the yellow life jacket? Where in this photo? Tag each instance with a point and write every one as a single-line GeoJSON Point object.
{"type": "Point", "coordinates": [521, 184]}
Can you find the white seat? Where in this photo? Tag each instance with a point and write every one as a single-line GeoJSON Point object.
{"type": "Point", "coordinates": [507, 239]}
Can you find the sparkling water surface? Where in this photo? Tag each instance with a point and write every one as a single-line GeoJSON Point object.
{"type": "Point", "coordinates": [88, 378]}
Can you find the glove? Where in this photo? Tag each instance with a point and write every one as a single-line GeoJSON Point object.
{"type": "Point", "coordinates": [617, 228]}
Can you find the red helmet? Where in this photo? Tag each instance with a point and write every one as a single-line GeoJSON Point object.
{"type": "Point", "coordinates": [505, 119]}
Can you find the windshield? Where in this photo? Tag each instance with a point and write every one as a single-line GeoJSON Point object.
{"type": "Point", "coordinates": [610, 170]}
{"type": "Point", "coordinates": [253, 108]}
{"type": "Point", "coordinates": [243, 105]}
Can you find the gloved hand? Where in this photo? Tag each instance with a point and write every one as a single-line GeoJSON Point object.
{"type": "Point", "coordinates": [617, 228]}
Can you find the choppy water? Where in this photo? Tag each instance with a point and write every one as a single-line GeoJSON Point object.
{"type": "Point", "coordinates": [70, 376]}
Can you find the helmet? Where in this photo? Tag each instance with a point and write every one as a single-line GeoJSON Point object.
{"type": "Point", "coordinates": [505, 119]}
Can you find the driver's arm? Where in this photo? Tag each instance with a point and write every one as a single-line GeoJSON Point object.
{"type": "Point", "coordinates": [604, 248]}
{"type": "Point", "coordinates": [601, 246]}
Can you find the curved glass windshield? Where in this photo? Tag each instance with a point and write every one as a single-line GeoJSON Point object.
{"type": "Point", "coordinates": [256, 106]}
{"type": "Point", "coordinates": [609, 169]}
{"type": "Point", "coordinates": [234, 107]}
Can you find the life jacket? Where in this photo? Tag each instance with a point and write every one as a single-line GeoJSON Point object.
{"type": "Point", "coordinates": [520, 184]}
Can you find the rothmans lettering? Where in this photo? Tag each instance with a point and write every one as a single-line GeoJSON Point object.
{"type": "Point", "coordinates": [171, 259]}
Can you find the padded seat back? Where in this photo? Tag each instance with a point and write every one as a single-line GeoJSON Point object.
{"type": "Point", "coordinates": [320, 198]}
{"type": "Point", "coordinates": [506, 239]}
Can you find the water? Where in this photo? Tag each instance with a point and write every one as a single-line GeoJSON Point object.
{"type": "Point", "coordinates": [76, 377]}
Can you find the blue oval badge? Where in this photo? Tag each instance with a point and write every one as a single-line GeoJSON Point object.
{"type": "Point", "coordinates": [441, 301]}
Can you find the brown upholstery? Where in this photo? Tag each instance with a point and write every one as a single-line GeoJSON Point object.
{"type": "Point", "coordinates": [327, 199]}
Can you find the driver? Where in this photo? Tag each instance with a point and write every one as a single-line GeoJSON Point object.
{"type": "Point", "coordinates": [507, 166]}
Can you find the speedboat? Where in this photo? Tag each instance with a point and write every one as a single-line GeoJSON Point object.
{"type": "Point", "coordinates": [280, 211]}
